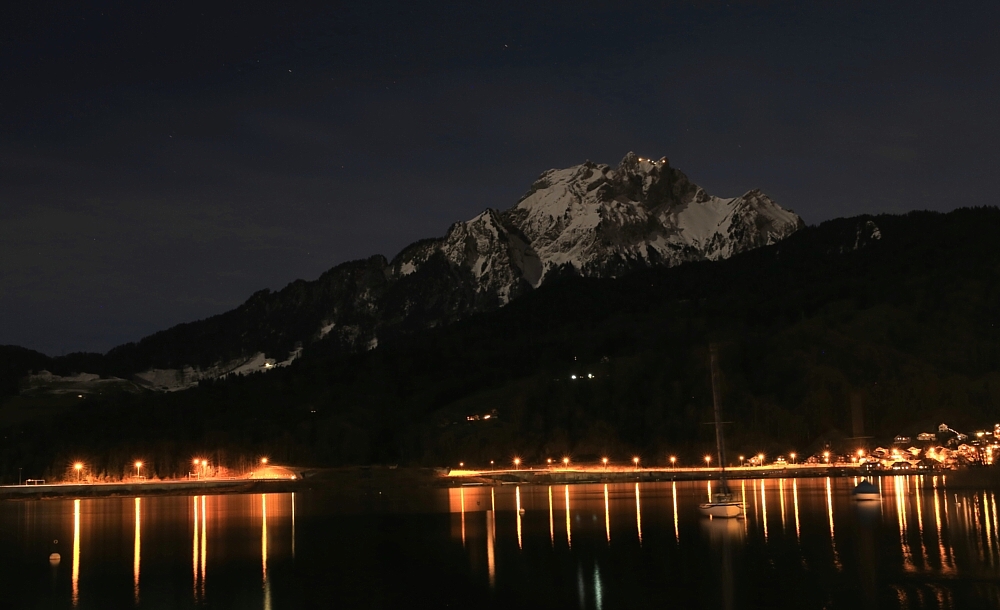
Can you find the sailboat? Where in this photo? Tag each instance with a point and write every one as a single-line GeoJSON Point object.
{"type": "Point", "coordinates": [722, 504]}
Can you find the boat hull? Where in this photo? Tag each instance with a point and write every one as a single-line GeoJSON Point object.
{"type": "Point", "coordinates": [727, 510]}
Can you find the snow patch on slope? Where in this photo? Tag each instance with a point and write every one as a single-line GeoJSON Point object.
{"type": "Point", "coordinates": [173, 380]}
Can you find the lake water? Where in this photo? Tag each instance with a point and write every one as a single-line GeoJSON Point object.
{"type": "Point", "coordinates": [803, 544]}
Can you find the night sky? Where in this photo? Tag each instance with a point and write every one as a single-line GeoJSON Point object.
{"type": "Point", "coordinates": [161, 161]}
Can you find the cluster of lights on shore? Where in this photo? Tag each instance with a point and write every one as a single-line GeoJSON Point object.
{"type": "Point", "coordinates": [197, 462]}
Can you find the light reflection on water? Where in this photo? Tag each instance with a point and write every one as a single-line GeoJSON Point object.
{"type": "Point", "coordinates": [922, 575]}
{"type": "Point", "coordinates": [76, 552]}
{"type": "Point", "coordinates": [626, 545]}
{"type": "Point", "coordinates": [136, 551]}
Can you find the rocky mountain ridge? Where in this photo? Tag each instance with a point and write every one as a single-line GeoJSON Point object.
{"type": "Point", "coordinates": [590, 220]}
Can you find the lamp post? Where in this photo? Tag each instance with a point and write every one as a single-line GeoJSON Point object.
{"type": "Point", "coordinates": [263, 461]}
{"type": "Point", "coordinates": [741, 461]}
{"type": "Point", "coordinates": [138, 465]}
{"type": "Point", "coordinates": [491, 465]}
{"type": "Point", "coordinates": [78, 467]}
{"type": "Point", "coordinates": [635, 461]}
{"type": "Point", "coordinates": [708, 461]}
{"type": "Point", "coordinates": [826, 457]}
{"type": "Point", "coordinates": [792, 454]}
{"type": "Point", "coordinates": [760, 459]}
{"type": "Point", "coordinates": [565, 462]}
{"type": "Point", "coordinates": [517, 462]}
{"type": "Point", "coordinates": [673, 462]}
{"type": "Point", "coordinates": [605, 462]}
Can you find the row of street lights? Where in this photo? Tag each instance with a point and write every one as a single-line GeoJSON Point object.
{"type": "Point", "coordinates": [565, 461]}
{"type": "Point", "coordinates": [759, 459]}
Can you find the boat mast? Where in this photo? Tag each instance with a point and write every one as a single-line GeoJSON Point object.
{"type": "Point", "coordinates": [719, 445]}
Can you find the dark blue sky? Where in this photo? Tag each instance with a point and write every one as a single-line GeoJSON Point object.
{"type": "Point", "coordinates": [161, 161]}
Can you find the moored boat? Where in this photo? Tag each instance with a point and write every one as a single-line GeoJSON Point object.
{"type": "Point", "coordinates": [865, 491]}
{"type": "Point", "coordinates": [722, 504]}
{"type": "Point", "coordinates": [721, 509]}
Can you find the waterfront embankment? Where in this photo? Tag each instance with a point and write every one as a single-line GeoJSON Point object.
{"type": "Point", "coordinates": [146, 488]}
{"type": "Point", "coordinates": [585, 474]}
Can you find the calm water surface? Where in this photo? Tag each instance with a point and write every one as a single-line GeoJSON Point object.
{"type": "Point", "coordinates": [803, 544]}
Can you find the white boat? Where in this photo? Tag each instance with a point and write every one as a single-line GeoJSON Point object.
{"type": "Point", "coordinates": [721, 508]}
{"type": "Point", "coordinates": [722, 504]}
{"type": "Point", "coordinates": [865, 491]}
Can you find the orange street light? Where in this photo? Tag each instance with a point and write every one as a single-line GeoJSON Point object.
{"type": "Point", "coordinates": [826, 456]}
{"type": "Point", "coordinates": [605, 462]}
{"type": "Point", "coordinates": [517, 462]}
{"type": "Point", "coordinates": [708, 460]}
{"type": "Point", "coordinates": [760, 459]}
{"type": "Point", "coordinates": [138, 465]}
{"type": "Point", "coordinates": [792, 454]}
{"type": "Point", "coordinates": [263, 461]}
{"type": "Point", "coordinates": [741, 461]}
{"type": "Point", "coordinates": [78, 467]}
{"type": "Point", "coordinates": [635, 461]}
{"type": "Point", "coordinates": [565, 461]}
{"type": "Point", "coordinates": [673, 461]}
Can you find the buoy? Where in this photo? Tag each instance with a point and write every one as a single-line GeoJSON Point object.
{"type": "Point", "coordinates": [521, 511]}
{"type": "Point", "coordinates": [54, 558]}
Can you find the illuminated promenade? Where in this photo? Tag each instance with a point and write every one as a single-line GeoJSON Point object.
{"type": "Point", "coordinates": [595, 473]}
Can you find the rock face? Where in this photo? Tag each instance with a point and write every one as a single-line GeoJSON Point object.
{"type": "Point", "coordinates": [589, 220]}
{"type": "Point", "coordinates": [598, 221]}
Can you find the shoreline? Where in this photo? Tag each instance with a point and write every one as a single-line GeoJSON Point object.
{"type": "Point", "coordinates": [363, 478]}
{"type": "Point", "coordinates": [461, 478]}
{"type": "Point", "coordinates": [149, 488]}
